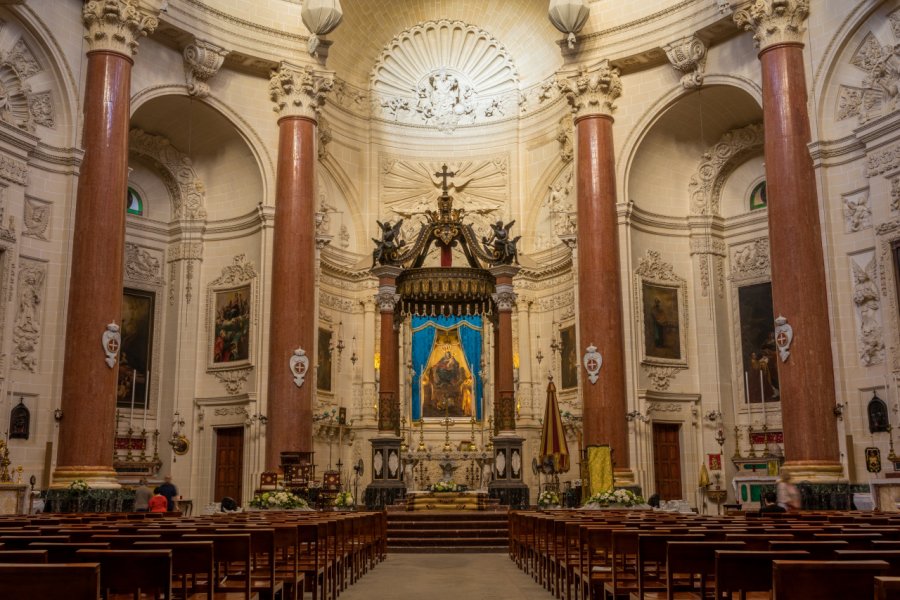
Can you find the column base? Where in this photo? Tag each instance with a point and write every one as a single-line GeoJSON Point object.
{"type": "Point", "coordinates": [814, 471]}
{"type": "Point", "coordinates": [381, 494]}
{"type": "Point", "coordinates": [624, 477]}
{"type": "Point", "coordinates": [513, 494]}
{"type": "Point", "coordinates": [98, 478]}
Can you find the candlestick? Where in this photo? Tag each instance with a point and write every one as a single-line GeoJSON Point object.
{"type": "Point", "coordinates": [750, 439]}
{"type": "Point", "coordinates": [746, 396]}
{"type": "Point", "coordinates": [737, 442]}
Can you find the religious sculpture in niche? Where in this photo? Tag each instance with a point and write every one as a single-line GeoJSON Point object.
{"type": "Point", "coordinates": [878, 92]}
{"type": "Point", "coordinates": [437, 61]}
{"type": "Point", "coordinates": [19, 421]}
{"type": "Point", "coordinates": [565, 135]}
{"type": "Point", "coordinates": [27, 330]}
{"type": "Point", "coordinates": [561, 206]}
{"type": "Point", "coordinates": [868, 306]}
{"type": "Point", "coordinates": [36, 218]}
{"type": "Point", "coordinates": [877, 412]}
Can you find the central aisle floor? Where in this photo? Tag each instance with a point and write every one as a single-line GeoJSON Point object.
{"type": "Point", "coordinates": [463, 576]}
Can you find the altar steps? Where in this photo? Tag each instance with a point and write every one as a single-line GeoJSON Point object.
{"type": "Point", "coordinates": [467, 531]}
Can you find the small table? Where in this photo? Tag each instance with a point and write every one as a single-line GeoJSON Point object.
{"type": "Point", "coordinates": [185, 505]}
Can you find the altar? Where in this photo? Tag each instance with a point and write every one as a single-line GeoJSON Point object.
{"type": "Point", "coordinates": [437, 501]}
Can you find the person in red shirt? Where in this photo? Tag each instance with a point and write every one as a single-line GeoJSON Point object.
{"type": "Point", "coordinates": [158, 503]}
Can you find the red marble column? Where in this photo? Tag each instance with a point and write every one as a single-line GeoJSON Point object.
{"type": "Point", "coordinates": [389, 379]}
{"type": "Point", "coordinates": [293, 315]}
{"type": "Point", "coordinates": [95, 292]}
{"type": "Point", "coordinates": [600, 320]}
{"type": "Point", "coordinates": [505, 396]}
{"type": "Point", "coordinates": [799, 290]}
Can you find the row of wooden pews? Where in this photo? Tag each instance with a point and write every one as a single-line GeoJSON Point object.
{"type": "Point", "coordinates": [615, 554]}
{"type": "Point", "coordinates": [264, 555]}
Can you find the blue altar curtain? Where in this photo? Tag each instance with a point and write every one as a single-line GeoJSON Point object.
{"type": "Point", "coordinates": [424, 332]}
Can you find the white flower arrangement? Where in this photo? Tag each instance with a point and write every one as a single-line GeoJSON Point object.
{"type": "Point", "coordinates": [79, 485]}
{"type": "Point", "coordinates": [622, 497]}
{"type": "Point", "coordinates": [344, 500]}
{"type": "Point", "coordinates": [278, 499]}
{"type": "Point", "coordinates": [444, 486]}
{"type": "Point", "coordinates": [548, 498]}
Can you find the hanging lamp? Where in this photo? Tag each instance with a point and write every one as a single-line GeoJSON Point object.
{"type": "Point", "coordinates": [320, 17]}
{"type": "Point", "coordinates": [569, 16]}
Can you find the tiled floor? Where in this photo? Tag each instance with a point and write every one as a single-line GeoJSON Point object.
{"type": "Point", "coordinates": [446, 577]}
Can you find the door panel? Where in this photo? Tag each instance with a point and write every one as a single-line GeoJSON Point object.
{"type": "Point", "coordinates": [229, 463]}
{"type": "Point", "coordinates": [667, 460]}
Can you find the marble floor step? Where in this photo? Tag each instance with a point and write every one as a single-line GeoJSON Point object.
{"type": "Point", "coordinates": [448, 549]}
{"type": "Point", "coordinates": [444, 542]}
{"type": "Point", "coordinates": [448, 533]}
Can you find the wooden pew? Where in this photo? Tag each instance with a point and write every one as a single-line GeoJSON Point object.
{"type": "Point", "coordinates": [192, 565]}
{"type": "Point", "coordinates": [693, 558]}
{"type": "Point", "coordinates": [23, 556]}
{"type": "Point", "coordinates": [748, 570]}
{"type": "Point", "coordinates": [891, 557]}
{"type": "Point", "coordinates": [818, 550]}
{"type": "Point", "coordinates": [887, 588]}
{"type": "Point", "coordinates": [133, 571]}
{"type": "Point", "coordinates": [793, 579]}
{"type": "Point", "coordinates": [80, 581]}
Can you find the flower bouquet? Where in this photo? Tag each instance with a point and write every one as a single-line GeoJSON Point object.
{"type": "Point", "coordinates": [79, 485]}
{"type": "Point", "coordinates": [444, 486]}
{"type": "Point", "coordinates": [548, 498]}
{"type": "Point", "coordinates": [279, 499]}
{"type": "Point", "coordinates": [344, 500]}
{"type": "Point", "coordinates": [621, 497]}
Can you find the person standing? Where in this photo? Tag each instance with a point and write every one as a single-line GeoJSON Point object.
{"type": "Point", "coordinates": [169, 490]}
{"type": "Point", "coordinates": [158, 502]}
{"type": "Point", "coordinates": [142, 497]}
{"type": "Point", "coordinates": [788, 493]}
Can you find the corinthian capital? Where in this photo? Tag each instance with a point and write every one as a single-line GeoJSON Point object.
{"type": "Point", "coordinates": [202, 60]}
{"type": "Point", "coordinates": [593, 92]}
{"type": "Point", "coordinates": [116, 25]}
{"type": "Point", "coordinates": [298, 91]}
{"type": "Point", "coordinates": [774, 21]}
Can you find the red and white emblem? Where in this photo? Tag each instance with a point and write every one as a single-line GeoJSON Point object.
{"type": "Point", "coordinates": [592, 363]}
{"type": "Point", "coordinates": [299, 365]}
{"type": "Point", "coordinates": [112, 341]}
{"type": "Point", "coordinates": [784, 335]}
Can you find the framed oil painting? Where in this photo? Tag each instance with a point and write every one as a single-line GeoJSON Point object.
{"type": "Point", "coordinates": [662, 298]}
{"type": "Point", "coordinates": [231, 308]}
{"type": "Point", "coordinates": [569, 367]}
{"type": "Point", "coordinates": [137, 347]}
{"type": "Point", "coordinates": [323, 360]}
{"type": "Point", "coordinates": [759, 355]}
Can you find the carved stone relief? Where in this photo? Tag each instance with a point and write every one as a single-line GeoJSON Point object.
{"type": "Point", "coordinates": [36, 218]}
{"type": "Point", "coordinates": [143, 264]}
{"type": "Point", "coordinates": [895, 194]}
{"type": "Point", "coordinates": [877, 93]}
{"type": "Point", "coordinates": [888, 234]}
{"type": "Point", "coordinates": [234, 379]}
{"type": "Point", "coordinates": [27, 329]}
{"type": "Point", "coordinates": [560, 203]}
{"type": "Point", "coordinates": [116, 25]}
{"type": "Point", "coordinates": [869, 335]}
{"type": "Point", "coordinates": [593, 92]}
{"type": "Point", "coordinates": [711, 253]}
{"type": "Point", "coordinates": [298, 91]}
{"type": "Point", "coordinates": [688, 55]}
{"type": "Point", "coordinates": [857, 212]}
{"type": "Point", "coordinates": [408, 187]}
{"type": "Point", "coordinates": [773, 21]}
{"type": "Point", "coordinates": [202, 60]}
{"type": "Point", "coordinates": [13, 170]}
{"type": "Point", "coordinates": [660, 377]}
{"type": "Point", "coordinates": [444, 74]}
{"type": "Point", "coordinates": [565, 135]}
{"type": "Point", "coordinates": [705, 187]}
{"type": "Point", "coordinates": [657, 407]}
{"type": "Point", "coordinates": [177, 171]}
{"type": "Point", "coordinates": [325, 137]}
{"type": "Point", "coordinates": [750, 260]}
{"type": "Point", "coordinates": [41, 108]}
{"type": "Point", "coordinates": [186, 252]}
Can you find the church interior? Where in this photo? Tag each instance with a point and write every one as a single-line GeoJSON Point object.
{"type": "Point", "coordinates": [422, 255]}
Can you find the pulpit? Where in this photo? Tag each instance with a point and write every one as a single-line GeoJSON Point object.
{"type": "Point", "coordinates": [507, 485]}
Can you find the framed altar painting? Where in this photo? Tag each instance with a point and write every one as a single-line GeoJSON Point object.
{"type": "Point", "coordinates": [662, 298]}
{"type": "Point", "coordinates": [759, 355]}
{"type": "Point", "coordinates": [323, 360]}
{"type": "Point", "coordinates": [137, 347]}
{"type": "Point", "coordinates": [569, 368]}
{"type": "Point", "coordinates": [230, 319]}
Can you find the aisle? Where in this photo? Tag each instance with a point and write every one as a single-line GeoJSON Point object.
{"type": "Point", "coordinates": [446, 577]}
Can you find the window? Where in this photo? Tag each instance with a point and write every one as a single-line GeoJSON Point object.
{"type": "Point", "coordinates": [134, 204]}
{"type": "Point", "coordinates": [758, 197]}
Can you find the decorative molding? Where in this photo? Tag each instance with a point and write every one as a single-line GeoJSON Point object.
{"type": "Point", "coordinates": [241, 270]}
{"type": "Point", "coordinates": [185, 188]}
{"type": "Point", "coordinates": [227, 411]}
{"type": "Point", "coordinates": [877, 93]}
{"type": "Point", "coordinates": [560, 204]}
{"type": "Point", "coordinates": [593, 92]}
{"type": "Point", "coordinates": [750, 260]}
{"type": "Point", "coordinates": [688, 55]}
{"type": "Point", "coordinates": [36, 218]}
{"type": "Point", "coordinates": [202, 60]}
{"type": "Point", "coordinates": [22, 60]}
{"type": "Point", "coordinates": [40, 106]}
{"type": "Point", "coordinates": [869, 334]}
{"type": "Point", "coordinates": [883, 162]}
{"type": "Point", "coordinates": [505, 297]}
{"type": "Point", "coordinates": [565, 135]}
{"type": "Point", "coordinates": [660, 377]}
{"type": "Point", "coordinates": [444, 74]}
{"type": "Point", "coordinates": [325, 137]}
{"type": "Point", "coordinates": [663, 407]}
{"type": "Point", "coordinates": [895, 194]}
{"type": "Point", "coordinates": [298, 91]}
{"type": "Point", "coordinates": [13, 170]}
{"type": "Point", "coordinates": [116, 25]}
{"type": "Point", "coordinates": [857, 212]}
{"type": "Point", "coordinates": [187, 252]}
{"type": "Point", "coordinates": [28, 328]}
{"type": "Point", "coordinates": [233, 379]}
{"type": "Point", "coordinates": [774, 21]}
{"type": "Point", "coordinates": [888, 234]}
{"type": "Point", "coordinates": [717, 163]}
{"type": "Point", "coordinates": [142, 264]}
{"type": "Point", "coordinates": [711, 252]}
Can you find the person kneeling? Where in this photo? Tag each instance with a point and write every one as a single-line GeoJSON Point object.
{"type": "Point", "coordinates": [770, 504]}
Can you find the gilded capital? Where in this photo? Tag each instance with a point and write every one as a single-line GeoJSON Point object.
{"type": "Point", "coordinates": [298, 91]}
{"type": "Point", "coordinates": [593, 92]}
{"type": "Point", "coordinates": [116, 25]}
{"type": "Point", "coordinates": [774, 21]}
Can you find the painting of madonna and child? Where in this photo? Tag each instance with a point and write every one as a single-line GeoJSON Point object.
{"type": "Point", "coordinates": [445, 362]}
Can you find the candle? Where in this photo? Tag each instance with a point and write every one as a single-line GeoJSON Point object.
{"type": "Point", "coordinates": [746, 394]}
{"type": "Point", "coordinates": [734, 409]}
{"type": "Point", "coordinates": [131, 413]}
{"type": "Point", "coordinates": [146, 404]}
{"type": "Point", "coordinates": [762, 396]}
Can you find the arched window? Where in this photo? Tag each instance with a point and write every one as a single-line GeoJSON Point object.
{"type": "Point", "coordinates": [134, 204]}
{"type": "Point", "coordinates": [758, 197]}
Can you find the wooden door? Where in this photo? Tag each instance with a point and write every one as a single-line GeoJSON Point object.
{"type": "Point", "coordinates": [667, 460]}
{"type": "Point", "coordinates": [229, 463]}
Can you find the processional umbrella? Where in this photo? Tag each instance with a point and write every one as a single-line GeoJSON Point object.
{"type": "Point", "coordinates": [554, 450]}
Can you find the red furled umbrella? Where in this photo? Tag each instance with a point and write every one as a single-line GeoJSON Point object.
{"type": "Point", "coordinates": [554, 450]}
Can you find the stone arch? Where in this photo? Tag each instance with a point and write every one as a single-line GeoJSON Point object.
{"type": "Point", "coordinates": [718, 162]}
{"type": "Point", "coordinates": [185, 189]}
